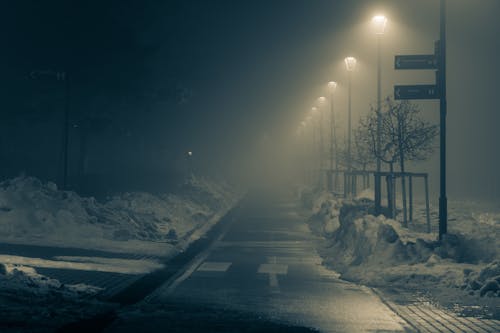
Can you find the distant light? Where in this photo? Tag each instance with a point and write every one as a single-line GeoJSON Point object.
{"type": "Point", "coordinates": [321, 100]}
{"type": "Point", "coordinates": [190, 153]}
{"type": "Point", "coordinates": [332, 85]}
{"type": "Point", "coordinates": [303, 123]}
{"type": "Point", "coordinates": [350, 63]}
{"type": "Point", "coordinates": [379, 22]}
{"type": "Point", "coordinates": [314, 109]}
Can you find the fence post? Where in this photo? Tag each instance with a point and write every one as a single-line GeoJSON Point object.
{"type": "Point", "coordinates": [427, 204]}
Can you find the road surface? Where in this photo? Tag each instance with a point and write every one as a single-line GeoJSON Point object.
{"type": "Point", "coordinates": [264, 266]}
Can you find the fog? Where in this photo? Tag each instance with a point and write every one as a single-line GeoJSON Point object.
{"type": "Point", "coordinates": [229, 81]}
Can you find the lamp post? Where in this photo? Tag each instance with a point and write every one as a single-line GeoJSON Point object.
{"type": "Point", "coordinates": [350, 63]}
{"type": "Point", "coordinates": [302, 147]}
{"type": "Point", "coordinates": [321, 101]}
{"type": "Point", "coordinates": [314, 111]}
{"type": "Point", "coordinates": [333, 140]}
{"type": "Point", "coordinates": [189, 158]}
{"type": "Point", "coordinates": [379, 22]}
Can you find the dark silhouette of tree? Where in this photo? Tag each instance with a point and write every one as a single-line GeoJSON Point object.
{"type": "Point", "coordinates": [405, 136]}
{"type": "Point", "coordinates": [362, 156]}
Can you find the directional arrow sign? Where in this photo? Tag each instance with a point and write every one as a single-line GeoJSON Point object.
{"type": "Point", "coordinates": [418, 61]}
{"type": "Point", "coordinates": [419, 91]}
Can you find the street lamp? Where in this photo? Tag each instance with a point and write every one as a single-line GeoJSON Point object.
{"type": "Point", "coordinates": [332, 86]}
{"type": "Point", "coordinates": [321, 101]}
{"type": "Point", "coordinates": [314, 111]}
{"type": "Point", "coordinates": [350, 64]}
{"type": "Point", "coordinates": [379, 22]}
{"type": "Point", "coordinates": [189, 160]}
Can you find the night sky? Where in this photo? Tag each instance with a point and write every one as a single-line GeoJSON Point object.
{"type": "Point", "coordinates": [151, 80]}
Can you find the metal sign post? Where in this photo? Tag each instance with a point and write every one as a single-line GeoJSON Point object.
{"type": "Point", "coordinates": [437, 62]}
{"type": "Point", "coordinates": [443, 201]}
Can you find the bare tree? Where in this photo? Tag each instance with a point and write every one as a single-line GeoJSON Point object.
{"type": "Point", "coordinates": [405, 136]}
{"type": "Point", "coordinates": [363, 156]}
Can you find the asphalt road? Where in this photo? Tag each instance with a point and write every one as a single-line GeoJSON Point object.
{"type": "Point", "coordinates": [264, 268]}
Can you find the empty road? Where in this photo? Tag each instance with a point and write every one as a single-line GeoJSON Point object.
{"type": "Point", "coordinates": [263, 267]}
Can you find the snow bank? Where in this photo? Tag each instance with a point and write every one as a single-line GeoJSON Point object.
{"type": "Point", "coordinates": [326, 210]}
{"type": "Point", "coordinates": [378, 251]}
{"type": "Point", "coordinates": [31, 302]}
{"type": "Point", "coordinates": [17, 279]}
{"type": "Point", "coordinates": [38, 213]}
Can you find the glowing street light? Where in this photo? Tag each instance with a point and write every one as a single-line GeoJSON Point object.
{"type": "Point", "coordinates": [332, 85]}
{"type": "Point", "coordinates": [350, 64]}
{"type": "Point", "coordinates": [379, 22]}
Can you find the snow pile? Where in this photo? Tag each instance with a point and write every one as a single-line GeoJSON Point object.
{"type": "Point", "coordinates": [168, 217]}
{"type": "Point", "coordinates": [367, 194]}
{"type": "Point", "coordinates": [31, 209]}
{"type": "Point", "coordinates": [326, 211]}
{"type": "Point", "coordinates": [377, 251]}
{"type": "Point", "coordinates": [37, 213]}
{"type": "Point", "coordinates": [24, 280]}
{"type": "Point", "coordinates": [31, 302]}
{"type": "Point", "coordinates": [486, 282]}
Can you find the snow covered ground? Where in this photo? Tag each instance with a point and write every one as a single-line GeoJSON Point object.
{"type": "Point", "coordinates": [36, 213]}
{"type": "Point", "coordinates": [30, 300]}
{"type": "Point", "coordinates": [462, 271]}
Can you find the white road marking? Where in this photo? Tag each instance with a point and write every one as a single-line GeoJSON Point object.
{"type": "Point", "coordinates": [273, 269]}
{"type": "Point", "coordinates": [213, 266]}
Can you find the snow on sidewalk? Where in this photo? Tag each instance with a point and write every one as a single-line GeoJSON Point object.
{"type": "Point", "coordinates": [376, 251]}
